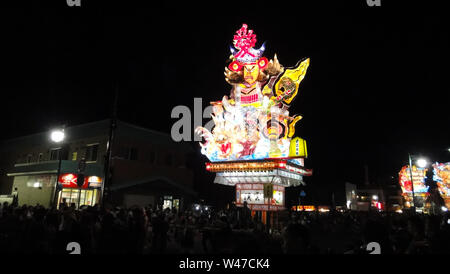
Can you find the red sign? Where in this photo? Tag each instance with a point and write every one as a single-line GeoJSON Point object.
{"type": "Point", "coordinates": [379, 206]}
{"type": "Point", "coordinates": [70, 180]}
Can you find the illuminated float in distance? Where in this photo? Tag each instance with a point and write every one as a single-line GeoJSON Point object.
{"type": "Point", "coordinates": [441, 175]}
{"type": "Point", "coordinates": [420, 188]}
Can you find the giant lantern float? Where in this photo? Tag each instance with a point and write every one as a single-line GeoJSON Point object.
{"type": "Point", "coordinates": [251, 145]}
{"type": "Point", "coordinates": [420, 188]}
{"type": "Point", "coordinates": [441, 175]}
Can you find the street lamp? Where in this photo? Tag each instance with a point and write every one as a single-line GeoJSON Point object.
{"type": "Point", "coordinates": [57, 136]}
{"type": "Point", "coordinates": [421, 163]}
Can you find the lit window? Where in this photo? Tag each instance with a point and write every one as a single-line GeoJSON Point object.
{"type": "Point", "coordinates": [74, 156]}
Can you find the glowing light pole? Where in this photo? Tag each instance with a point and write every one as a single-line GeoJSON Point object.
{"type": "Point", "coordinates": [57, 136]}
{"type": "Point", "coordinates": [421, 163]}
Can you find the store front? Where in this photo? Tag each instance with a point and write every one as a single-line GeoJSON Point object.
{"type": "Point", "coordinates": [86, 195]}
{"type": "Point", "coordinates": [79, 197]}
{"type": "Point", "coordinates": [170, 202]}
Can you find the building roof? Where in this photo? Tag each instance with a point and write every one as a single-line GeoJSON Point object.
{"type": "Point", "coordinates": [99, 128]}
{"type": "Point", "coordinates": [51, 167]}
{"type": "Point", "coordinates": [153, 179]}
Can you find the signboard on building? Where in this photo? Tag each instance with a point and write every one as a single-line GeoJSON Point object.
{"type": "Point", "coordinates": [94, 181]}
{"type": "Point", "coordinates": [70, 180]}
{"type": "Point", "coordinates": [304, 208]}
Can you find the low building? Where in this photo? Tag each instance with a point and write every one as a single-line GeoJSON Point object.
{"type": "Point", "coordinates": [147, 167]}
{"type": "Point", "coordinates": [394, 198]}
{"type": "Point", "coordinates": [364, 198]}
{"type": "Point", "coordinates": [370, 197]}
{"type": "Point", "coordinates": [350, 195]}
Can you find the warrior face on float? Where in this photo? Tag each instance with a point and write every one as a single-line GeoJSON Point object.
{"type": "Point", "coordinates": [251, 73]}
{"type": "Point", "coordinates": [246, 58]}
{"type": "Point", "coordinates": [247, 68]}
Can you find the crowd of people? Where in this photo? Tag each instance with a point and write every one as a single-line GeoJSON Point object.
{"type": "Point", "coordinates": [150, 230]}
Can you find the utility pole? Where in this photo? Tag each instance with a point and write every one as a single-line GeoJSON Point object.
{"type": "Point", "coordinates": [106, 195]}
{"type": "Point", "coordinates": [412, 184]}
{"type": "Point", "coordinates": [333, 203]}
{"type": "Point", "coordinates": [58, 173]}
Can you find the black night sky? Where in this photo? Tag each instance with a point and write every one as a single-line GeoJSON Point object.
{"type": "Point", "coordinates": [376, 89]}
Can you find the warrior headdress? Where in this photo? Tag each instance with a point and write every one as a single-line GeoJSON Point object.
{"type": "Point", "coordinates": [243, 54]}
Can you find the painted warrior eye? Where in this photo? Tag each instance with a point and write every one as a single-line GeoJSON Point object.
{"type": "Point", "coordinates": [250, 69]}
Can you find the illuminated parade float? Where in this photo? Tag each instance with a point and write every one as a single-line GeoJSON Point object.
{"type": "Point", "coordinates": [441, 175]}
{"type": "Point", "coordinates": [251, 145]}
{"type": "Point", "coordinates": [420, 189]}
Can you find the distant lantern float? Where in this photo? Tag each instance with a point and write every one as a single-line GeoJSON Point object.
{"type": "Point", "coordinates": [420, 188]}
{"type": "Point", "coordinates": [251, 145]}
{"type": "Point", "coordinates": [441, 175]}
